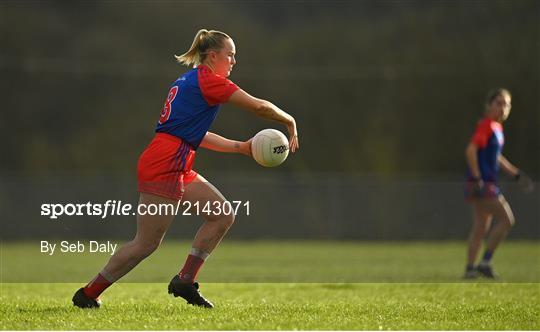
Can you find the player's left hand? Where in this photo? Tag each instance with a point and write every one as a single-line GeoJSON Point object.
{"type": "Point", "coordinates": [245, 147]}
{"type": "Point", "coordinates": [477, 188]}
{"type": "Point", "coordinates": [525, 182]}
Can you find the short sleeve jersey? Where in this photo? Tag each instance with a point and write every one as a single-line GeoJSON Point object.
{"type": "Point", "coordinates": [193, 103]}
{"type": "Point", "coordinates": [489, 139]}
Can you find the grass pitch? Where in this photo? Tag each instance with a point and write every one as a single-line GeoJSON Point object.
{"type": "Point", "coordinates": [371, 298]}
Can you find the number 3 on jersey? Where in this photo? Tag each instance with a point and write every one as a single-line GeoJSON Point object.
{"type": "Point", "coordinates": [166, 112]}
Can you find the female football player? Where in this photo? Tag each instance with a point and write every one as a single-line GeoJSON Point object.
{"type": "Point", "coordinates": [165, 173]}
{"type": "Point", "coordinates": [484, 158]}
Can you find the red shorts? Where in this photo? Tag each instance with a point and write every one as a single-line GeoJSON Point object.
{"type": "Point", "coordinates": [164, 167]}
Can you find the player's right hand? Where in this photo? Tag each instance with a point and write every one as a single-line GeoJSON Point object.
{"type": "Point", "coordinates": [293, 136]}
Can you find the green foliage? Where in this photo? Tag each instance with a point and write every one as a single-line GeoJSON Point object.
{"type": "Point", "coordinates": [390, 88]}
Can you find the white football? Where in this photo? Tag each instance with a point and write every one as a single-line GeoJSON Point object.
{"type": "Point", "coordinates": [270, 147]}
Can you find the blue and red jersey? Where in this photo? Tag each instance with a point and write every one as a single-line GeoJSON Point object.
{"type": "Point", "coordinates": [193, 103]}
{"type": "Point", "coordinates": [489, 139]}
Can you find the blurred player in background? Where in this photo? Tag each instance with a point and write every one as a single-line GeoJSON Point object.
{"type": "Point", "coordinates": [484, 158]}
{"type": "Point", "coordinates": [165, 173]}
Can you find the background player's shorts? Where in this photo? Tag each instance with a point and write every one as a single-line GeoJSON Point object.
{"type": "Point", "coordinates": [164, 168]}
{"type": "Point", "coordinates": [489, 190]}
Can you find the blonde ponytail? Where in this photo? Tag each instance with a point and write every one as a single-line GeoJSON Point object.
{"type": "Point", "coordinates": [203, 42]}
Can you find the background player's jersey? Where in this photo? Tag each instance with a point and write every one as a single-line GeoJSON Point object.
{"type": "Point", "coordinates": [192, 104]}
{"type": "Point", "coordinates": [489, 139]}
